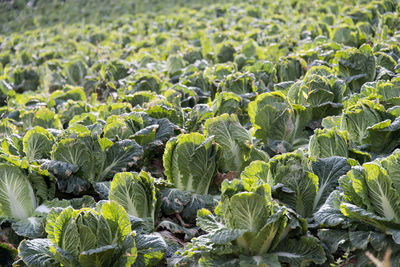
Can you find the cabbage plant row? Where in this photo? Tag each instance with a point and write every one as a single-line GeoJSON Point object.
{"type": "Point", "coordinates": [264, 133]}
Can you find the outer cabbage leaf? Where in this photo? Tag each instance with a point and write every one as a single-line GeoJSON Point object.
{"type": "Point", "coordinates": [117, 219]}
{"type": "Point", "coordinates": [231, 103]}
{"type": "Point", "coordinates": [66, 174]}
{"type": "Point", "coordinates": [36, 253]}
{"type": "Point", "coordinates": [323, 94]}
{"type": "Point", "coordinates": [383, 137]}
{"type": "Point", "coordinates": [328, 170]}
{"type": "Point", "coordinates": [300, 252]}
{"type": "Point", "coordinates": [184, 203]}
{"type": "Point", "coordinates": [348, 35]}
{"type": "Point", "coordinates": [333, 238]}
{"type": "Point", "coordinates": [37, 143]}
{"type": "Point", "coordinates": [384, 198]}
{"type": "Point", "coordinates": [75, 93]}
{"type": "Point", "coordinates": [32, 227]}
{"type": "Point", "coordinates": [97, 159]}
{"type": "Point", "coordinates": [119, 157]}
{"type": "Point", "coordinates": [238, 83]}
{"type": "Point", "coordinates": [75, 71]}
{"type": "Point", "coordinates": [75, 152]}
{"type": "Point", "coordinates": [356, 119]}
{"type": "Point", "coordinates": [290, 68]}
{"type": "Point", "coordinates": [235, 140]}
{"type": "Point", "coordinates": [248, 211]}
{"type": "Point", "coordinates": [98, 257]}
{"type": "Point", "coordinates": [264, 71]}
{"type": "Point", "coordinates": [387, 92]}
{"type": "Point", "coordinates": [16, 193]}
{"type": "Point", "coordinates": [269, 260]}
{"type": "Point", "coordinates": [257, 171]}
{"type": "Point", "coordinates": [46, 118]}
{"type": "Point", "coordinates": [103, 189]}
{"type": "Point", "coordinates": [328, 143]}
{"type": "Point", "coordinates": [60, 168]}
{"type": "Point", "coordinates": [150, 249]}
{"type": "Point", "coordinates": [197, 116]}
{"type": "Point", "coordinates": [300, 185]}
{"type": "Point", "coordinates": [190, 162]}
{"type": "Point", "coordinates": [136, 193]}
{"type": "Point", "coordinates": [116, 128]}
{"type": "Point", "coordinates": [392, 166]}
{"type": "Point", "coordinates": [277, 122]}
{"type": "Point", "coordinates": [272, 117]}
{"type": "Point", "coordinates": [207, 221]}
{"type": "Point", "coordinates": [329, 213]}
{"type": "Point", "coordinates": [25, 79]}
{"type": "Point", "coordinates": [216, 261]}
{"type": "Point", "coordinates": [356, 66]}
{"type": "Point", "coordinates": [175, 228]}
{"type": "Point", "coordinates": [348, 184]}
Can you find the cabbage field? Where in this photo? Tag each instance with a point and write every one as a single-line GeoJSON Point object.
{"type": "Point", "coordinates": [199, 133]}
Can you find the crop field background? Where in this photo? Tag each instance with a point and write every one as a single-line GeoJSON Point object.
{"type": "Point", "coordinates": [199, 133]}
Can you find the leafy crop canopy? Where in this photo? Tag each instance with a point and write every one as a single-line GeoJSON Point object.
{"type": "Point", "coordinates": [199, 133]}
